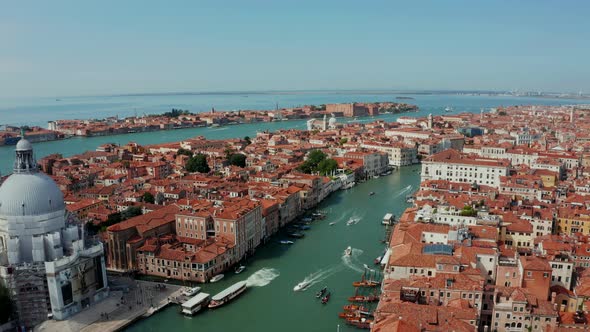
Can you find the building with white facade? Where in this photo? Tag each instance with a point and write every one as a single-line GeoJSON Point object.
{"type": "Point", "coordinates": [45, 262]}
{"type": "Point", "coordinates": [455, 166]}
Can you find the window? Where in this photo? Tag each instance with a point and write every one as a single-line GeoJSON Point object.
{"type": "Point", "coordinates": [529, 274]}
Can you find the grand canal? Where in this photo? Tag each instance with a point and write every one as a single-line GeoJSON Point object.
{"type": "Point", "coordinates": [270, 304]}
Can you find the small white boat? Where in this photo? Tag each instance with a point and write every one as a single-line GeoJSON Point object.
{"type": "Point", "coordinates": [191, 291]}
{"type": "Point", "coordinates": [286, 242]}
{"type": "Point", "coordinates": [240, 269]}
{"type": "Point", "coordinates": [301, 286]}
{"type": "Point", "coordinates": [348, 251]}
{"type": "Point", "coordinates": [332, 223]}
{"type": "Point", "coordinates": [217, 278]}
{"type": "Point", "coordinates": [376, 176]}
{"type": "Point", "coordinates": [350, 222]}
{"type": "Point", "coordinates": [371, 193]}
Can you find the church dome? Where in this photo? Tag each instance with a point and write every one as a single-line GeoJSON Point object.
{"type": "Point", "coordinates": [24, 145]}
{"type": "Point", "coordinates": [30, 194]}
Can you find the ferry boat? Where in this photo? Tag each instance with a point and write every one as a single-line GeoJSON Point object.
{"type": "Point", "coordinates": [216, 278]}
{"type": "Point", "coordinates": [191, 291]}
{"type": "Point", "coordinates": [227, 294]}
{"type": "Point", "coordinates": [387, 219]}
{"type": "Point", "coordinates": [240, 269]}
{"type": "Point", "coordinates": [301, 286]}
{"type": "Point", "coordinates": [348, 251]}
{"type": "Point", "coordinates": [195, 304]}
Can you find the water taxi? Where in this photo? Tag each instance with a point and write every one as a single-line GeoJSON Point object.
{"type": "Point", "coordinates": [240, 269]}
{"type": "Point", "coordinates": [216, 278]}
{"type": "Point", "coordinates": [348, 251]}
{"type": "Point", "coordinates": [301, 286]}
{"type": "Point", "coordinates": [227, 294]}
{"type": "Point", "coordinates": [191, 291]}
{"type": "Point", "coordinates": [195, 304]}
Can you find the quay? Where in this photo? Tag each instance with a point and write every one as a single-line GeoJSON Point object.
{"type": "Point", "coordinates": [132, 301]}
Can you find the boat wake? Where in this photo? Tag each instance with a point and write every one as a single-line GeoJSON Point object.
{"type": "Point", "coordinates": [321, 275]}
{"type": "Point", "coordinates": [352, 262]}
{"type": "Point", "coordinates": [403, 191]}
{"type": "Point", "coordinates": [262, 277]}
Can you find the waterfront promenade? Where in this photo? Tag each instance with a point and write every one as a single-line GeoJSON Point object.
{"type": "Point", "coordinates": [120, 309]}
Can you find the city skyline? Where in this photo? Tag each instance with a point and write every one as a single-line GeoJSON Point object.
{"type": "Point", "coordinates": [68, 49]}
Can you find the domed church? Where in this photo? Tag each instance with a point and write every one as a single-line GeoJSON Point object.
{"type": "Point", "coordinates": [46, 263]}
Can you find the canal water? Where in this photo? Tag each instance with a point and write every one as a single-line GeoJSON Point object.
{"type": "Point", "coordinates": [270, 304]}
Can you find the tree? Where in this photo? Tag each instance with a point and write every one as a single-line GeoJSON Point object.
{"type": "Point", "coordinates": [148, 197]}
{"type": "Point", "coordinates": [327, 166]}
{"type": "Point", "coordinates": [130, 212]}
{"type": "Point", "coordinates": [198, 163]}
{"type": "Point", "coordinates": [184, 152]}
{"type": "Point", "coordinates": [343, 141]}
{"type": "Point", "coordinates": [248, 140]}
{"type": "Point", "coordinates": [5, 305]}
{"type": "Point", "coordinates": [315, 157]}
{"type": "Point", "coordinates": [237, 159]}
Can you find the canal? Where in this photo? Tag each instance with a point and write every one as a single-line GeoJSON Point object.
{"type": "Point", "coordinates": [270, 304]}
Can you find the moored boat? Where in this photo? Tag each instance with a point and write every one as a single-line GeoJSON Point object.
{"type": "Point", "coordinates": [228, 294]}
{"type": "Point", "coordinates": [240, 269]}
{"type": "Point", "coordinates": [363, 298]}
{"type": "Point", "coordinates": [216, 278]}
{"type": "Point", "coordinates": [296, 235]}
{"type": "Point", "coordinates": [286, 242]}
{"type": "Point", "coordinates": [366, 283]}
{"type": "Point", "coordinates": [191, 291]}
{"type": "Point", "coordinates": [359, 322]}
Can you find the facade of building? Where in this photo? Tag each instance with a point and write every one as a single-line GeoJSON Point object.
{"type": "Point", "coordinates": [47, 265]}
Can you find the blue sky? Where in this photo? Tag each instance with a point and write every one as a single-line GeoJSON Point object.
{"type": "Point", "coordinates": [65, 48]}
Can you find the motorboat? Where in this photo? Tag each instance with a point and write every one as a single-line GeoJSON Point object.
{"type": "Point", "coordinates": [296, 235]}
{"type": "Point", "coordinates": [191, 291]}
{"type": "Point", "coordinates": [348, 251]}
{"type": "Point", "coordinates": [350, 222]}
{"type": "Point", "coordinates": [240, 269]}
{"type": "Point", "coordinates": [321, 292]}
{"type": "Point", "coordinates": [286, 242]}
{"type": "Point", "coordinates": [301, 286]}
{"type": "Point", "coordinates": [378, 260]}
{"type": "Point", "coordinates": [326, 298]}
{"type": "Point", "coordinates": [217, 278]}
{"type": "Point", "coordinates": [332, 223]}
{"type": "Point", "coordinates": [371, 193]}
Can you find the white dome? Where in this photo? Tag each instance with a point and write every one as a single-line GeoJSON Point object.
{"type": "Point", "coordinates": [23, 145]}
{"type": "Point", "coordinates": [30, 194]}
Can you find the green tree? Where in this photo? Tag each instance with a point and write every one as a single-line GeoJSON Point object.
{"type": "Point", "coordinates": [343, 141]}
{"type": "Point", "coordinates": [198, 163]}
{"type": "Point", "coordinates": [237, 159]}
{"type": "Point", "coordinates": [315, 157]}
{"type": "Point", "coordinates": [148, 197]}
{"type": "Point", "coordinates": [130, 212]}
{"type": "Point", "coordinates": [184, 152]}
{"type": "Point", "coordinates": [326, 166]}
{"type": "Point", "coordinates": [5, 305]}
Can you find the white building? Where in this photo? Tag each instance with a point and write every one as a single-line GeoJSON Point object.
{"type": "Point", "coordinates": [45, 262]}
{"type": "Point", "coordinates": [454, 166]}
{"type": "Point", "coordinates": [400, 154]}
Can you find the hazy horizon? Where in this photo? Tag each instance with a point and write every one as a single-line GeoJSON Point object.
{"type": "Point", "coordinates": [69, 48]}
